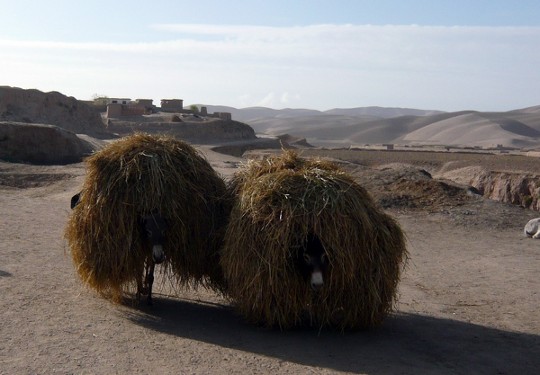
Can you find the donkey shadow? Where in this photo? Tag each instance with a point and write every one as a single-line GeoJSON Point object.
{"type": "Point", "coordinates": [405, 344]}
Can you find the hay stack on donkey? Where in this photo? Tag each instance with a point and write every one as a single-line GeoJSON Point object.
{"type": "Point", "coordinates": [305, 244]}
{"type": "Point", "coordinates": [134, 187]}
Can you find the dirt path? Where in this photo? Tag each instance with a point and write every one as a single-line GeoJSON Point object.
{"type": "Point", "coordinates": [469, 305]}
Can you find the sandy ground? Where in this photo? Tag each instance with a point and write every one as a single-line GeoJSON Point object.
{"type": "Point", "coordinates": [469, 302]}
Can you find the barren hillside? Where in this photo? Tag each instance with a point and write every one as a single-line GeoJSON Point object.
{"type": "Point", "coordinates": [371, 125]}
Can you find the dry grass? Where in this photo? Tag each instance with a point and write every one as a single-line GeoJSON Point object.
{"type": "Point", "coordinates": [131, 178]}
{"type": "Point", "coordinates": [279, 201]}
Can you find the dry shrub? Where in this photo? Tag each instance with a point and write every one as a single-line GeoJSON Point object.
{"type": "Point", "coordinates": [279, 201]}
{"type": "Point", "coordinates": [129, 179]}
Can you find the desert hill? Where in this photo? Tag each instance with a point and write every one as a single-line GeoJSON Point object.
{"type": "Point", "coordinates": [478, 130]}
{"type": "Point", "coordinates": [518, 128]}
{"type": "Point", "coordinates": [250, 114]}
{"type": "Point", "coordinates": [380, 112]}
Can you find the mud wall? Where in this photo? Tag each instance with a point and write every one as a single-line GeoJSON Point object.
{"type": "Point", "coordinates": [515, 188]}
{"type": "Point", "coordinates": [34, 106]}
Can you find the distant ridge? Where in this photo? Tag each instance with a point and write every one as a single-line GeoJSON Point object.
{"type": "Point", "coordinates": [381, 112]}
{"type": "Point", "coordinates": [255, 113]}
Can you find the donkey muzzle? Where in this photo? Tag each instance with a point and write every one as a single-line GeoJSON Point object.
{"type": "Point", "coordinates": [317, 280]}
{"type": "Point", "coordinates": [158, 255]}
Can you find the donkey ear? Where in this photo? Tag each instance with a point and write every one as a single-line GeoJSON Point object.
{"type": "Point", "coordinates": [75, 200]}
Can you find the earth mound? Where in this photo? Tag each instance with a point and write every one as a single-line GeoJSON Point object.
{"type": "Point", "coordinates": [41, 144]}
{"type": "Point", "coordinates": [189, 128]}
{"type": "Point", "coordinates": [34, 106]}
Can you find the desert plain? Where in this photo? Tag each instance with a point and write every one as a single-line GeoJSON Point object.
{"type": "Point", "coordinates": [468, 300]}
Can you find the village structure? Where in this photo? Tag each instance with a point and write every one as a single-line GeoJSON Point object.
{"type": "Point", "coordinates": [120, 107]}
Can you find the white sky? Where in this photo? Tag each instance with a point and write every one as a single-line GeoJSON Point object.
{"type": "Point", "coordinates": [445, 55]}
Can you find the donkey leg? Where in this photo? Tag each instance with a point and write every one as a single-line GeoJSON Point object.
{"type": "Point", "coordinates": [149, 281]}
{"type": "Point", "coordinates": [139, 289]}
{"type": "Point", "coordinates": [142, 283]}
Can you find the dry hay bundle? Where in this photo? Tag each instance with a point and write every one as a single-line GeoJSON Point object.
{"type": "Point", "coordinates": [279, 201]}
{"type": "Point", "coordinates": [131, 178]}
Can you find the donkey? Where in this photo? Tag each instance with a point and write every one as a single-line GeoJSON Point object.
{"type": "Point", "coordinates": [312, 262]}
{"type": "Point", "coordinates": [152, 228]}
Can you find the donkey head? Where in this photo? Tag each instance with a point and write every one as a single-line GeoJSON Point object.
{"type": "Point", "coordinates": [312, 262]}
{"type": "Point", "coordinates": [154, 227]}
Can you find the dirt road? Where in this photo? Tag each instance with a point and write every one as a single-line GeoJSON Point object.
{"type": "Point", "coordinates": [469, 302]}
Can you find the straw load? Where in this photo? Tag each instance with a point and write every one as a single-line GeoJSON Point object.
{"type": "Point", "coordinates": [281, 202]}
{"type": "Point", "coordinates": [137, 176]}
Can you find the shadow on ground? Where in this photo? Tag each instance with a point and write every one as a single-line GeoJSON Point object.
{"type": "Point", "coordinates": [405, 344]}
